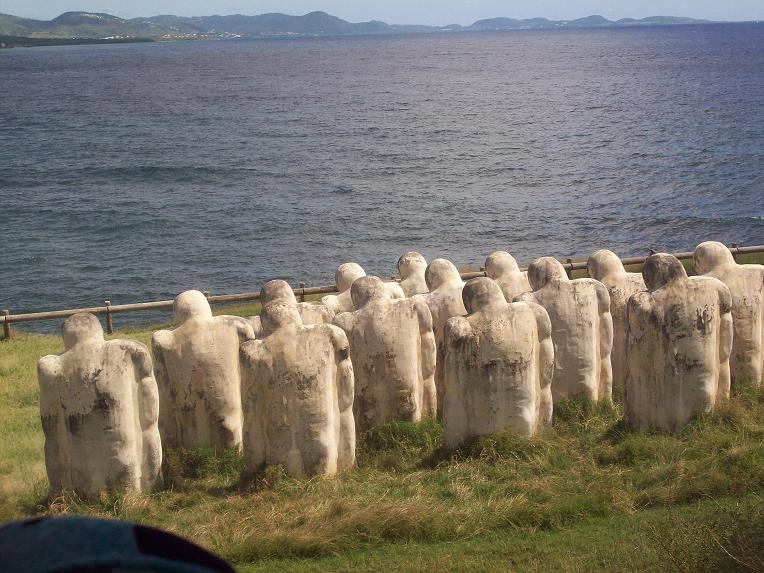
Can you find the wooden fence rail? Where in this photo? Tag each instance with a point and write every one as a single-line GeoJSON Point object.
{"type": "Point", "coordinates": [301, 292]}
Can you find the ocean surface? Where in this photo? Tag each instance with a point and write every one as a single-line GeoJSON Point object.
{"type": "Point", "coordinates": [134, 172]}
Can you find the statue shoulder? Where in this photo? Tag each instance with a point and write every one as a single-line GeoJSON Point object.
{"type": "Point", "coordinates": [544, 324]}
{"type": "Point", "coordinates": [242, 325]}
{"type": "Point", "coordinates": [49, 367]}
{"type": "Point", "coordinates": [253, 350]}
{"type": "Point", "coordinates": [344, 320]}
{"type": "Point", "coordinates": [137, 351]}
{"type": "Point", "coordinates": [456, 328]}
{"type": "Point", "coordinates": [162, 340]}
{"type": "Point", "coordinates": [640, 302]}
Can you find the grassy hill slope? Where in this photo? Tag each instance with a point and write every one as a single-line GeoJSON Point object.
{"type": "Point", "coordinates": [588, 495]}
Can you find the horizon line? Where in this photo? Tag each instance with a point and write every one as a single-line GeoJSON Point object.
{"type": "Point", "coordinates": [706, 20]}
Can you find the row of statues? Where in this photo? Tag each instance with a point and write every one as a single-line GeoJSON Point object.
{"type": "Point", "coordinates": [293, 385]}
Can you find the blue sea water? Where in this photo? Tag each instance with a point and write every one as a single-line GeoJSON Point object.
{"type": "Point", "coordinates": [133, 172]}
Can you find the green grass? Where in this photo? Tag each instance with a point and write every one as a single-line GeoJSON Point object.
{"type": "Point", "coordinates": [587, 495]}
{"type": "Point", "coordinates": [584, 496]}
{"type": "Point", "coordinates": [666, 539]}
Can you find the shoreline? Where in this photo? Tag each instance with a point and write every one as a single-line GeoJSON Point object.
{"type": "Point", "coordinates": [9, 42]}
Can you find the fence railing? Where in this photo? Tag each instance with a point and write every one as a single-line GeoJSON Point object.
{"type": "Point", "coordinates": [300, 292]}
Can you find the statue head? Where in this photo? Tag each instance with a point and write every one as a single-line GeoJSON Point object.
{"type": "Point", "coordinates": [710, 255]}
{"type": "Point", "coordinates": [279, 314]}
{"type": "Point", "coordinates": [411, 263]}
{"type": "Point", "coordinates": [81, 327]}
{"type": "Point", "coordinates": [604, 263]}
{"type": "Point", "coordinates": [661, 269]}
{"type": "Point", "coordinates": [440, 272]}
{"type": "Point", "coordinates": [277, 291]}
{"type": "Point", "coordinates": [347, 274]}
{"type": "Point", "coordinates": [367, 289]}
{"type": "Point", "coordinates": [500, 263]}
{"type": "Point", "coordinates": [545, 270]}
{"type": "Point", "coordinates": [190, 304]}
{"type": "Point", "coordinates": [481, 292]}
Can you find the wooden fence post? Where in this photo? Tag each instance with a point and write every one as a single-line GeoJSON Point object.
{"type": "Point", "coordinates": [109, 324]}
{"type": "Point", "coordinates": [734, 251]}
{"type": "Point", "coordinates": [302, 292]}
{"type": "Point", "coordinates": [6, 324]}
{"type": "Point", "coordinates": [569, 270]}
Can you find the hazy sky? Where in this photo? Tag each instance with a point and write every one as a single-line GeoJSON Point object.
{"type": "Point", "coordinates": [437, 12]}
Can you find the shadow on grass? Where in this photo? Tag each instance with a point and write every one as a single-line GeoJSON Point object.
{"type": "Point", "coordinates": [214, 471]}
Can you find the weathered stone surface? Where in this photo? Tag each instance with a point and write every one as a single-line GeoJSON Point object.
{"type": "Point", "coordinates": [346, 275]}
{"type": "Point", "coordinates": [393, 352]}
{"type": "Point", "coordinates": [746, 285]}
{"type": "Point", "coordinates": [498, 366]}
{"type": "Point", "coordinates": [678, 349]}
{"type": "Point", "coordinates": [99, 407]}
{"type": "Point", "coordinates": [503, 268]}
{"type": "Point", "coordinates": [297, 396]}
{"type": "Point", "coordinates": [607, 268]}
{"type": "Point", "coordinates": [411, 268]}
{"type": "Point", "coordinates": [582, 330]}
{"type": "Point", "coordinates": [280, 291]}
{"type": "Point", "coordinates": [197, 370]}
{"type": "Point", "coordinates": [444, 301]}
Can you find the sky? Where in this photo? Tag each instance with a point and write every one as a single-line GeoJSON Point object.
{"type": "Point", "coordinates": [433, 12]}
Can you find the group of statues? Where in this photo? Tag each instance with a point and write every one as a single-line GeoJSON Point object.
{"type": "Point", "coordinates": [293, 385]}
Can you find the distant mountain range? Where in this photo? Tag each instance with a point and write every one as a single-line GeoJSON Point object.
{"type": "Point", "coordinates": [95, 25]}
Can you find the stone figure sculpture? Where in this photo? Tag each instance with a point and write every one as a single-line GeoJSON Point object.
{"type": "Point", "coordinates": [280, 291]}
{"type": "Point", "coordinates": [582, 330]}
{"type": "Point", "coordinates": [99, 408]}
{"type": "Point", "coordinates": [498, 366]}
{"type": "Point", "coordinates": [411, 267]}
{"type": "Point", "coordinates": [297, 396]}
{"type": "Point", "coordinates": [393, 352]}
{"type": "Point", "coordinates": [444, 301]}
{"type": "Point", "coordinates": [680, 339]}
{"type": "Point", "coordinates": [503, 268]}
{"type": "Point", "coordinates": [346, 275]}
{"type": "Point", "coordinates": [197, 370]}
{"type": "Point", "coordinates": [746, 285]}
{"type": "Point", "coordinates": [607, 268]}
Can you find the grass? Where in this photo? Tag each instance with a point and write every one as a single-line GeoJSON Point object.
{"type": "Point", "coordinates": [587, 495]}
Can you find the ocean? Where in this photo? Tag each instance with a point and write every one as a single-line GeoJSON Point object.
{"type": "Point", "coordinates": [133, 172]}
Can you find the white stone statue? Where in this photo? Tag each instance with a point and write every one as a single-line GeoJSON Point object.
{"type": "Point", "coordinates": [582, 330]}
{"type": "Point", "coordinates": [411, 267]}
{"type": "Point", "coordinates": [99, 407]}
{"type": "Point", "coordinates": [746, 284]}
{"type": "Point", "coordinates": [197, 370]}
{"type": "Point", "coordinates": [502, 267]}
{"type": "Point", "coordinates": [607, 268]}
{"type": "Point", "coordinates": [346, 275]}
{"type": "Point", "coordinates": [393, 352]}
{"type": "Point", "coordinates": [297, 396]}
{"type": "Point", "coordinates": [498, 366]}
{"type": "Point", "coordinates": [680, 338]}
{"type": "Point", "coordinates": [280, 291]}
{"type": "Point", "coordinates": [444, 301]}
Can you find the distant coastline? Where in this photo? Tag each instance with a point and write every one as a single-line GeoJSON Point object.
{"type": "Point", "coordinates": [91, 27]}
{"type": "Point", "coordinates": [26, 42]}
